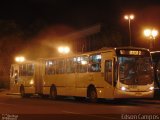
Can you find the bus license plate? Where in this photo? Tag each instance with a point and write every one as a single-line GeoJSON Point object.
{"type": "Point", "coordinates": [133, 86]}
{"type": "Point", "coordinates": [138, 93]}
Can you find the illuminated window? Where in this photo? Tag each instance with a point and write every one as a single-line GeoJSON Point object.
{"type": "Point", "coordinates": [50, 67]}
{"type": "Point", "coordinates": [30, 69]}
{"type": "Point", "coordinates": [60, 68]}
{"type": "Point", "coordinates": [23, 70]}
{"type": "Point", "coordinates": [82, 64]}
{"type": "Point", "coordinates": [70, 65]}
{"type": "Point", "coordinates": [95, 63]}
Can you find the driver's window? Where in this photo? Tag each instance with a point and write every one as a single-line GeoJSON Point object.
{"type": "Point", "coordinates": [158, 72]}
{"type": "Point", "coordinates": [108, 71]}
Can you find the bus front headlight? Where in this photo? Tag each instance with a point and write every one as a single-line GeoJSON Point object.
{"type": "Point", "coordinates": [151, 88]}
{"type": "Point", "coordinates": [123, 88]}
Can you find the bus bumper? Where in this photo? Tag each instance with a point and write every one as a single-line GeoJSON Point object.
{"type": "Point", "coordinates": [138, 94]}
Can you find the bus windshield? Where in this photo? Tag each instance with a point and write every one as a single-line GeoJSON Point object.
{"type": "Point", "coordinates": [135, 70]}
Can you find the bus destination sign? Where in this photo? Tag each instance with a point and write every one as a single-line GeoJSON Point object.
{"type": "Point", "coordinates": [131, 52]}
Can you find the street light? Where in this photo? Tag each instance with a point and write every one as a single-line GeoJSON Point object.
{"type": "Point", "coordinates": [64, 50]}
{"type": "Point", "coordinates": [147, 32]}
{"type": "Point", "coordinates": [151, 34]}
{"type": "Point", "coordinates": [129, 18]}
{"type": "Point", "coordinates": [19, 59]}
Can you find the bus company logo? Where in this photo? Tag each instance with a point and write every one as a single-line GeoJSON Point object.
{"type": "Point", "coordinates": [139, 117]}
{"type": "Point", "coordinates": [9, 117]}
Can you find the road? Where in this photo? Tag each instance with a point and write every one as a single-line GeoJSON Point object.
{"type": "Point", "coordinates": [13, 106]}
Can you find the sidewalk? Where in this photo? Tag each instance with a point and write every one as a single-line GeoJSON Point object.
{"type": "Point", "coordinates": [8, 92]}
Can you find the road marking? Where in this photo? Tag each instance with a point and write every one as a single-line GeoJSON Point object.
{"type": "Point", "coordinates": [69, 112]}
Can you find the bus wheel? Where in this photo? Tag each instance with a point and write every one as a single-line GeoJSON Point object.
{"type": "Point", "coordinates": [22, 92]}
{"type": "Point", "coordinates": [43, 96]}
{"type": "Point", "coordinates": [92, 95]}
{"type": "Point", "coordinates": [53, 93]}
{"type": "Point", "coordinates": [79, 98]}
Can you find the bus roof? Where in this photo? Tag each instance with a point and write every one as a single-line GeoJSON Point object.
{"type": "Point", "coordinates": [25, 62]}
{"type": "Point", "coordinates": [104, 49]}
{"type": "Point", "coordinates": [125, 47]}
{"type": "Point", "coordinates": [155, 54]}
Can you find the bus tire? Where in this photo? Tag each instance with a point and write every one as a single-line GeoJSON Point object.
{"type": "Point", "coordinates": [53, 93]}
{"type": "Point", "coordinates": [23, 94]}
{"type": "Point", "coordinates": [92, 94]}
{"type": "Point", "coordinates": [79, 98]}
{"type": "Point", "coordinates": [44, 96]}
{"type": "Point", "coordinates": [22, 91]}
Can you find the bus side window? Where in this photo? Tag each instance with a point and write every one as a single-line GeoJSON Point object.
{"type": "Point", "coordinates": [30, 69]}
{"type": "Point", "coordinates": [70, 65]}
{"type": "Point", "coordinates": [82, 64]}
{"type": "Point", "coordinates": [108, 71]}
{"type": "Point", "coordinates": [95, 63]}
{"type": "Point", "coordinates": [60, 66]}
{"type": "Point", "coordinates": [50, 67]}
{"type": "Point", "coordinates": [24, 70]}
{"type": "Point", "coordinates": [94, 68]}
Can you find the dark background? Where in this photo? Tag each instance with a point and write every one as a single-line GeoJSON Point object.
{"type": "Point", "coordinates": [35, 28]}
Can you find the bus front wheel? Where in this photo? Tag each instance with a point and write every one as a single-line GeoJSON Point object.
{"type": "Point", "coordinates": [53, 93]}
{"type": "Point", "coordinates": [92, 95]}
{"type": "Point", "coordinates": [22, 92]}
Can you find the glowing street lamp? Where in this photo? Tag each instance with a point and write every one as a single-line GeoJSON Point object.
{"type": "Point", "coordinates": [64, 50]}
{"type": "Point", "coordinates": [154, 33]}
{"type": "Point", "coordinates": [151, 34]}
{"type": "Point", "coordinates": [129, 18]}
{"type": "Point", "coordinates": [147, 32]}
{"type": "Point", "coordinates": [19, 59]}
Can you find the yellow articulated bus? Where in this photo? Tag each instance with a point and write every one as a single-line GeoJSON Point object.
{"type": "Point", "coordinates": [124, 72]}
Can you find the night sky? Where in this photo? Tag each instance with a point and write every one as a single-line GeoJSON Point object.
{"type": "Point", "coordinates": [28, 20]}
{"type": "Point", "coordinates": [77, 13]}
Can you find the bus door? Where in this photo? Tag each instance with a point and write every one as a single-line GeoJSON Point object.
{"type": "Point", "coordinates": [157, 72]}
{"type": "Point", "coordinates": [14, 79]}
{"type": "Point", "coordinates": [109, 77]}
{"type": "Point", "coordinates": [39, 77]}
